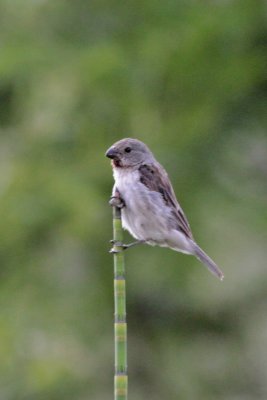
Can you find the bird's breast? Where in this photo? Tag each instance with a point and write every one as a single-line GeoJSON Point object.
{"type": "Point", "coordinates": [128, 184]}
{"type": "Point", "coordinates": [144, 215]}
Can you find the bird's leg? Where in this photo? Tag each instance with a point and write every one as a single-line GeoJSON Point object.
{"type": "Point", "coordinates": [124, 246]}
{"type": "Point", "coordinates": [127, 246]}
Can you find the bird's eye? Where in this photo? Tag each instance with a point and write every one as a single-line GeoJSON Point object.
{"type": "Point", "coordinates": [127, 149]}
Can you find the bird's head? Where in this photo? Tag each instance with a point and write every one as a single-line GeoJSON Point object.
{"type": "Point", "coordinates": [128, 153]}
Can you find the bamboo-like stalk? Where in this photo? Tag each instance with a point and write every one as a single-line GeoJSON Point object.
{"type": "Point", "coordinates": [120, 324]}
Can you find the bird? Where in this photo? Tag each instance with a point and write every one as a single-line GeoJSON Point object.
{"type": "Point", "coordinates": [150, 211]}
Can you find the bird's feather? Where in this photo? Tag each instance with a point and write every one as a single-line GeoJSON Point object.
{"type": "Point", "coordinates": [156, 179]}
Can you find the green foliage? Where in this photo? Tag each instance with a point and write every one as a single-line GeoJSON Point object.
{"type": "Point", "coordinates": [189, 79]}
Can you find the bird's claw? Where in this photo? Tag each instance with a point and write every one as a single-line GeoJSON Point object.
{"type": "Point", "coordinates": [116, 201]}
{"type": "Point", "coordinates": [113, 251]}
{"type": "Point", "coordinates": [117, 244]}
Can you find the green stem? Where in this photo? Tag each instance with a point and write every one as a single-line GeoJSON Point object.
{"type": "Point", "coordinates": [120, 325]}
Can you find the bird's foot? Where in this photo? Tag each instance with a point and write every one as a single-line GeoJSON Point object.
{"type": "Point", "coordinates": [116, 201]}
{"type": "Point", "coordinates": [118, 247]}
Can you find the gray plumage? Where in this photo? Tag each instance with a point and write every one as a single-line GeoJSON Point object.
{"type": "Point", "coordinates": [151, 212]}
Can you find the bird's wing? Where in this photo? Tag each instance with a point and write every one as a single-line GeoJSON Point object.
{"type": "Point", "coordinates": [155, 178]}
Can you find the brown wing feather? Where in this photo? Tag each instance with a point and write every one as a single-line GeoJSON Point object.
{"type": "Point", "coordinates": [155, 178]}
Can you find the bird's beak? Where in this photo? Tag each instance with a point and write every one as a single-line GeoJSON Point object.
{"type": "Point", "coordinates": [111, 153]}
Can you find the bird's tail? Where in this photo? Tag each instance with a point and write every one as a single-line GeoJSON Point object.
{"type": "Point", "coordinates": [207, 261]}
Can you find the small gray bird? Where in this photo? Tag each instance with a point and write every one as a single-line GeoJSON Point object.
{"type": "Point", "coordinates": [149, 208]}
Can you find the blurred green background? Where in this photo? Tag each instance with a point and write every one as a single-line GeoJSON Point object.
{"type": "Point", "coordinates": [189, 79]}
